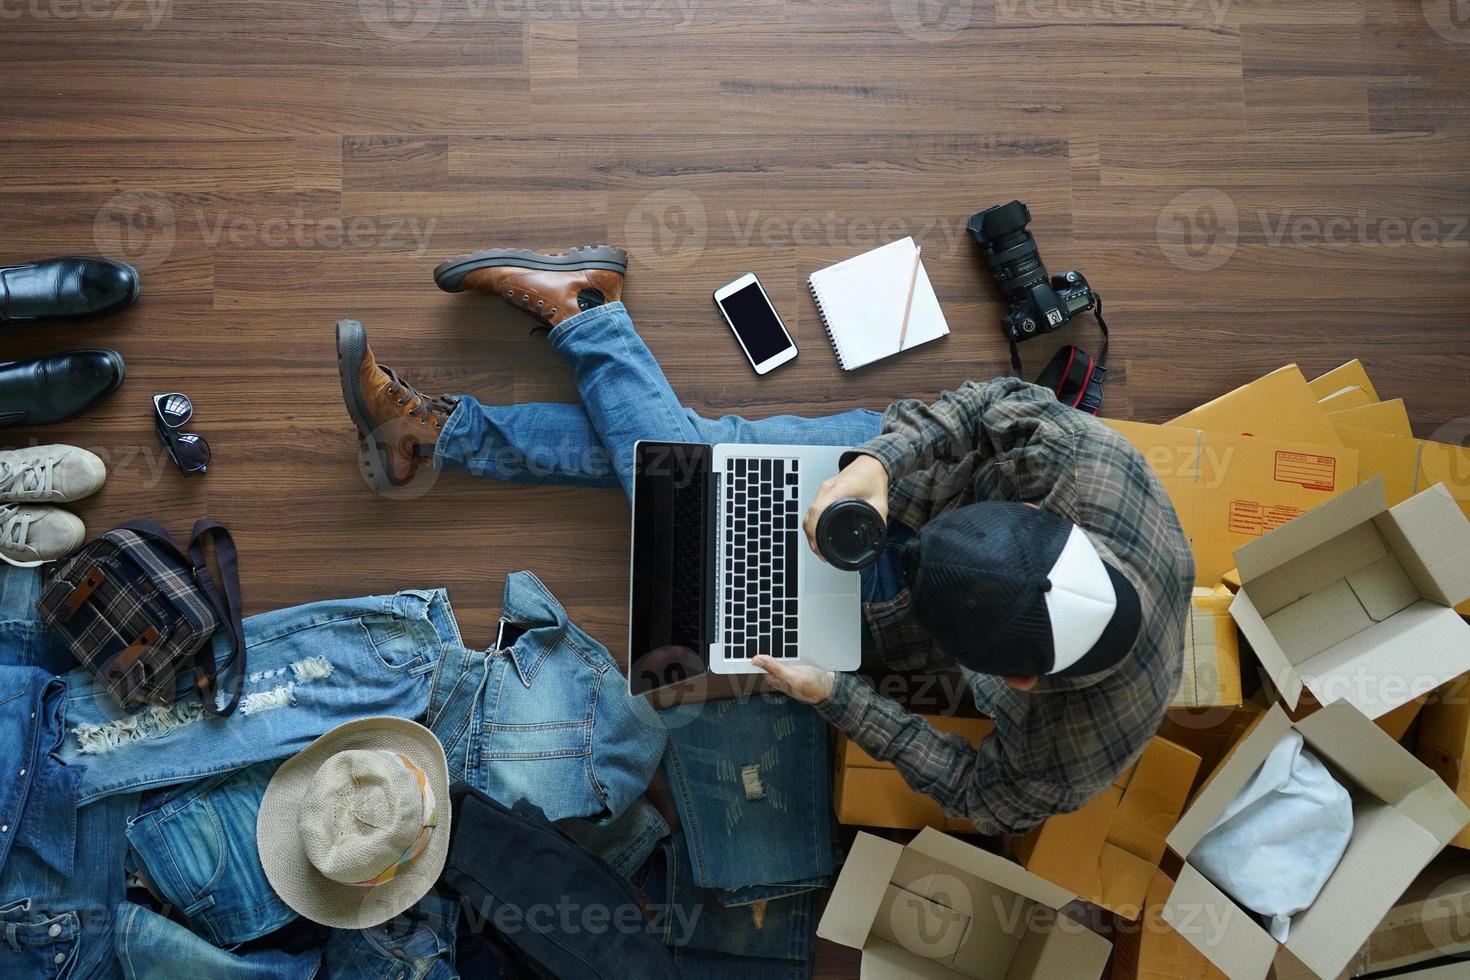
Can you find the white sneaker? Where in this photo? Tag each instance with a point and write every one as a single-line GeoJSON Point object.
{"type": "Point", "coordinates": [32, 536]}
{"type": "Point", "coordinates": [49, 475]}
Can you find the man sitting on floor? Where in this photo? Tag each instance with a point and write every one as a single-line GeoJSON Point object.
{"type": "Point", "coordinates": [1028, 542]}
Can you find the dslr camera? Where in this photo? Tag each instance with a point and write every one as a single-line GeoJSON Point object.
{"type": "Point", "coordinates": [1038, 303]}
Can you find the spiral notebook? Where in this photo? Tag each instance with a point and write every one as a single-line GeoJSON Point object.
{"type": "Point", "coordinates": [861, 301]}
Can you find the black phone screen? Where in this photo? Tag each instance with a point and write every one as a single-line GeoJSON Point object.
{"type": "Point", "coordinates": [756, 323]}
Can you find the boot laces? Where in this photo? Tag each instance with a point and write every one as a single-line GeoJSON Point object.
{"type": "Point", "coordinates": [420, 406]}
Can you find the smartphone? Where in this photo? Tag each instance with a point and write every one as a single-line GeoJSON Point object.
{"type": "Point", "coordinates": [751, 315]}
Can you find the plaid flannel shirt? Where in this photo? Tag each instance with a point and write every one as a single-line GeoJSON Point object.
{"type": "Point", "coordinates": [1059, 745]}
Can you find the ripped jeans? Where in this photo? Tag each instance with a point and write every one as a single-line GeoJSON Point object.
{"type": "Point", "coordinates": [310, 668]}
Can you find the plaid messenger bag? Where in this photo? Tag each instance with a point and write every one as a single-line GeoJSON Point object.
{"type": "Point", "coordinates": [136, 611]}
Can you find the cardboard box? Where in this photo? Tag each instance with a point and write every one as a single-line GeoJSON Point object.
{"type": "Point", "coordinates": [1409, 466]}
{"type": "Point", "coordinates": [1152, 950]}
{"type": "Point", "coordinates": [1288, 967]}
{"type": "Point", "coordinates": [939, 909]}
{"type": "Point", "coordinates": [1391, 418]}
{"type": "Point", "coordinates": [1230, 489]}
{"type": "Point", "coordinates": [1431, 919]}
{"type": "Point", "coordinates": [1210, 733]}
{"type": "Point", "coordinates": [869, 793]}
{"type": "Point", "coordinates": [1108, 851]}
{"type": "Point", "coordinates": [1444, 741]}
{"type": "Point", "coordinates": [1402, 816]}
{"type": "Point", "coordinates": [1354, 601]}
{"type": "Point", "coordinates": [1279, 406]}
{"type": "Point", "coordinates": [1448, 971]}
{"type": "Point", "coordinates": [1354, 397]}
{"type": "Point", "coordinates": [1351, 374]}
{"type": "Point", "coordinates": [1211, 653]}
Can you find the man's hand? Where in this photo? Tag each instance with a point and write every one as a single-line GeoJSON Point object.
{"type": "Point", "coordinates": [864, 478]}
{"type": "Point", "coordinates": [805, 683]}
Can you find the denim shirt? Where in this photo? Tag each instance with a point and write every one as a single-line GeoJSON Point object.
{"type": "Point", "coordinates": [550, 719]}
{"type": "Point", "coordinates": [38, 793]}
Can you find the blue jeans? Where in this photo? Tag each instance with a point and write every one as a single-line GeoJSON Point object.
{"type": "Point", "coordinates": [150, 946]}
{"type": "Point", "coordinates": [625, 398]}
{"type": "Point", "coordinates": [625, 844]}
{"type": "Point", "coordinates": [311, 668]}
{"type": "Point", "coordinates": [750, 780]}
{"type": "Point", "coordinates": [775, 940]}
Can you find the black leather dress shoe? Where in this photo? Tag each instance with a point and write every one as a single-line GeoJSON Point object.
{"type": "Point", "coordinates": [58, 386]}
{"type": "Point", "coordinates": [73, 287]}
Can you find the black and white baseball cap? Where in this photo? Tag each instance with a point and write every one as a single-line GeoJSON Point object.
{"type": "Point", "coordinates": [1012, 590]}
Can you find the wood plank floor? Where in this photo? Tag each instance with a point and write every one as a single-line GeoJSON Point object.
{"type": "Point", "coordinates": [1248, 183]}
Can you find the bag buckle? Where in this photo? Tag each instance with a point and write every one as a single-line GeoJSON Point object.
{"type": "Point", "coordinates": [84, 590]}
{"type": "Point", "coordinates": [125, 660]}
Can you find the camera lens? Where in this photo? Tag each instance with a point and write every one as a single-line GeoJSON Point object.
{"type": "Point", "coordinates": [999, 223]}
{"type": "Point", "coordinates": [1010, 251]}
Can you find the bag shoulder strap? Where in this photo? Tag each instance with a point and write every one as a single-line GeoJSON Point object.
{"type": "Point", "coordinates": [227, 606]}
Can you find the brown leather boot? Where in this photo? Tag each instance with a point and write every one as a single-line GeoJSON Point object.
{"type": "Point", "coordinates": [397, 426]}
{"type": "Point", "coordinates": [550, 286]}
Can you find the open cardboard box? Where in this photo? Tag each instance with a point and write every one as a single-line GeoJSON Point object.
{"type": "Point", "coordinates": [1150, 949]}
{"type": "Point", "coordinates": [1444, 742]}
{"type": "Point", "coordinates": [870, 793]}
{"type": "Point", "coordinates": [1211, 653]}
{"type": "Point", "coordinates": [1229, 489]}
{"type": "Point", "coordinates": [1108, 851]}
{"type": "Point", "coordinates": [939, 909]}
{"type": "Point", "coordinates": [1431, 919]}
{"type": "Point", "coordinates": [1354, 600]}
{"type": "Point", "coordinates": [1402, 816]}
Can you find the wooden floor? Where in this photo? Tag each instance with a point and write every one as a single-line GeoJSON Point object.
{"type": "Point", "coordinates": [1237, 179]}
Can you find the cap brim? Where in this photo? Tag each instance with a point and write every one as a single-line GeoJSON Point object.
{"type": "Point", "coordinates": [1121, 633]}
{"type": "Point", "coordinates": [282, 852]}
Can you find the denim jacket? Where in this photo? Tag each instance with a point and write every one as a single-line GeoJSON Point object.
{"type": "Point", "coordinates": [550, 719]}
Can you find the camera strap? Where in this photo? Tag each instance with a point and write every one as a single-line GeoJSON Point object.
{"type": "Point", "coordinates": [1073, 374]}
{"type": "Point", "coordinates": [1102, 358]}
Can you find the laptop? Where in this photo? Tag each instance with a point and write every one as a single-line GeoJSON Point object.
{"type": "Point", "coordinates": [721, 570]}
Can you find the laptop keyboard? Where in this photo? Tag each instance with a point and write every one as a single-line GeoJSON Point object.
{"type": "Point", "coordinates": [762, 534]}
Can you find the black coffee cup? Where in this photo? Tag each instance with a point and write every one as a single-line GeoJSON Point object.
{"type": "Point", "coordinates": [850, 534]}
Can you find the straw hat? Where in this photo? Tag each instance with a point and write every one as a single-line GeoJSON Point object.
{"type": "Point", "coordinates": [354, 828]}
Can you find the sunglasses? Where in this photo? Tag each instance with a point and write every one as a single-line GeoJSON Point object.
{"type": "Point", "coordinates": [188, 450]}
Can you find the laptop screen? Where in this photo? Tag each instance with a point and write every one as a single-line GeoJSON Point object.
{"type": "Point", "coordinates": [670, 604]}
